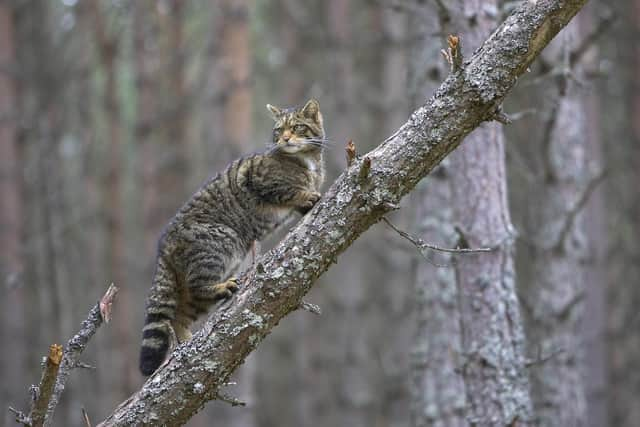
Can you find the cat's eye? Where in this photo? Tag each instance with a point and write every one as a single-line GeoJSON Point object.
{"type": "Point", "coordinates": [300, 129]}
{"type": "Point", "coordinates": [277, 132]}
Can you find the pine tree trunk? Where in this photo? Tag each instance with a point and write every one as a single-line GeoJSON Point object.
{"type": "Point", "coordinates": [558, 252]}
{"type": "Point", "coordinates": [493, 342]}
{"type": "Point", "coordinates": [437, 387]}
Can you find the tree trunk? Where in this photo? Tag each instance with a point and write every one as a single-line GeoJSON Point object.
{"type": "Point", "coordinates": [437, 387]}
{"type": "Point", "coordinates": [557, 254]}
{"type": "Point", "coordinates": [492, 361]}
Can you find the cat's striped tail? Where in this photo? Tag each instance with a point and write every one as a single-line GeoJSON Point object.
{"type": "Point", "coordinates": [157, 332]}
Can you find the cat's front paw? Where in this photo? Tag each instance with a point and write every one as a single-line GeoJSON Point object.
{"type": "Point", "coordinates": [309, 200]}
{"type": "Point", "coordinates": [226, 289]}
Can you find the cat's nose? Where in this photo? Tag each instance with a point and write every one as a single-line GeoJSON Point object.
{"type": "Point", "coordinates": [286, 136]}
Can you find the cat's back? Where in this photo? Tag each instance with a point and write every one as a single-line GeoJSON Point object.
{"type": "Point", "coordinates": [225, 204]}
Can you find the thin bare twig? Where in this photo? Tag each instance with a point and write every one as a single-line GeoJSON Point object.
{"type": "Point", "coordinates": [83, 365]}
{"type": "Point", "coordinates": [76, 345]}
{"type": "Point", "coordinates": [540, 359]}
{"type": "Point", "coordinates": [499, 116]}
{"type": "Point", "coordinates": [21, 417]}
{"type": "Point", "coordinates": [522, 114]}
{"type": "Point", "coordinates": [422, 245]}
{"type": "Point", "coordinates": [106, 303]}
{"type": "Point", "coordinates": [311, 308]}
{"type": "Point", "coordinates": [233, 401]}
{"type": "Point", "coordinates": [85, 417]}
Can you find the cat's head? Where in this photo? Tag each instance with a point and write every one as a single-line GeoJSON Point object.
{"type": "Point", "coordinates": [298, 130]}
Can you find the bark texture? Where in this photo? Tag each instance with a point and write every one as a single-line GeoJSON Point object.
{"type": "Point", "coordinates": [198, 369]}
{"type": "Point", "coordinates": [492, 360]}
{"type": "Point", "coordinates": [493, 344]}
{"type": "Point", "coordinates": [437, 388]}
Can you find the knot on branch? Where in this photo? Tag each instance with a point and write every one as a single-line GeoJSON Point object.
{"type": "Point", "coordinates": [499, 116]}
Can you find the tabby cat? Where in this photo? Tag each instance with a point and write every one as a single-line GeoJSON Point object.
{"type": "Point", "coordinates": [210, 236]}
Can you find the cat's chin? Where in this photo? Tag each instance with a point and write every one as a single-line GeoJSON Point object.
{"type": "Point", "coordinates": [293, 149]}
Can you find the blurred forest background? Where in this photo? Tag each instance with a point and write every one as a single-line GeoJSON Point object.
{"type": "Point", "coordinates": [113, 112]}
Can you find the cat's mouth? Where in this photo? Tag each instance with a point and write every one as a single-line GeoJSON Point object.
{"type": "Point", "coordinates": [297, 146]}
{"type": "Point", "coordinates": [293, 147]}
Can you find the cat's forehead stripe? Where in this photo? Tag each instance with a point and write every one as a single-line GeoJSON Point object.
{"type": "Point", "coordinates": [288, 119]}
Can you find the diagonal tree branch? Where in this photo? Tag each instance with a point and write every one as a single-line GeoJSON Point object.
{"type": "Point", "coordinates": [196, 370]}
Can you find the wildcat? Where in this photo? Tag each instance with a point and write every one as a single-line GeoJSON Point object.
{"type": "Point", "coordinates": [209, 237]}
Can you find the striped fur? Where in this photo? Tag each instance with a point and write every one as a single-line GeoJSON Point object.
{"type": "Point", "coordinates": [209, 237]}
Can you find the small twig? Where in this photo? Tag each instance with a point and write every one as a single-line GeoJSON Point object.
{"type": "Point", "coordinates": [350, 150]}
{"type": "Point", "coordinates": [233, 401]}
{"type": "Point", "coordinates": [21, 418]}
{"type": "Point", "coordinates": [45, 388]}
{"type": "Point", "coordinates": [364, 169]}
{"type": "Point", "coordinates": [499, 116]}
{"type": "Point", "coordinates": [543, 359]}
{"type": "Point", "coordinates": [462, 243]}
{"type": "Point", "coordinates": [85, 417]}
{"type": "Point", "coordinates": [311, 308]}
{"type": "Point", "coordinates": [390, 206]}
{"type": "Point", "coordinates": [453, 54]}
{"type": "Point", "coordinates": [106, 302]}
{"type": "Point", "coordinates": [76, 345]}
{"type": "Point", "coordinates": [83, 365]}
{"type": "Point", "coordinates": [421, 244]}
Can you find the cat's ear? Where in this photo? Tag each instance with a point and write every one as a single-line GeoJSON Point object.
{"type": "Point", "coordinates": [311, 110]}
{"type": "Point", "coordinates": [275, 111]}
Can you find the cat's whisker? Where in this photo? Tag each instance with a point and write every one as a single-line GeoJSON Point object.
{"type": "Point", "coordinates": [324, 142]}
{"type": "Point", "coordinates": [318, 144]}
{"type": "Point", "coordinates": [318, 139]}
